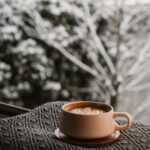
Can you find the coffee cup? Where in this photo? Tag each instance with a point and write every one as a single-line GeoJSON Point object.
{"type": "Point", "coordinates": [90, 120]}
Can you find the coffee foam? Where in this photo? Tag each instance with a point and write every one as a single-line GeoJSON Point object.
{"type": "Point", "coordinates": [86, 110]}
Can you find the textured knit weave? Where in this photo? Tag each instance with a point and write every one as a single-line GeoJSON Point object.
{"type": "Point", "coordinates": [35, 131]}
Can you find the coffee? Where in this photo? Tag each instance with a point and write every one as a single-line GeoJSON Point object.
{"type": "Point", "coordinates": [86, 110]}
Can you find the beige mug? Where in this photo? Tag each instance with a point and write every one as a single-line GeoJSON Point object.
{"type": "Point", "coordinates": [91, 126]}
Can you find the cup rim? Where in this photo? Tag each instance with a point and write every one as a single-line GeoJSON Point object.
{"type": "Point", "coordinates": [76, 102]}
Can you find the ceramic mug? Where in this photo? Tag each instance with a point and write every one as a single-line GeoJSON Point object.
{"type": "Point", "coordinates": [91, 126]}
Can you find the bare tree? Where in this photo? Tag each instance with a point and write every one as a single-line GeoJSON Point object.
{"type": "Point", "coordinates": [122, 48]}
{"type": "Point", "coordinates": [119, 53]}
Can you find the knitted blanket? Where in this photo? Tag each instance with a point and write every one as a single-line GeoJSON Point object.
{"type": "Point", "coordinates": [35, 131]}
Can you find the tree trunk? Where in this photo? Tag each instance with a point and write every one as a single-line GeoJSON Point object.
{"type": "Point", "coordinates": [116, 83]}
{"type": "Point", "coordinates": [114, 97]}
{"type": "Point", "coordinates": [114, 100]}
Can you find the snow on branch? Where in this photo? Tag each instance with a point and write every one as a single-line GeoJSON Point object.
{"type": "Point", "coordinates": [75, 60]}
{"type": "Point", "coordinates": [97, 39]}
{"type": "Point", "coordinates": [138, 88]}
{"type": "Point", "coordinates": [142, 107]}
{"type": "Point", "coordinates": [141, 57]}
{"type": "Point", "coordinates": [64, 52]}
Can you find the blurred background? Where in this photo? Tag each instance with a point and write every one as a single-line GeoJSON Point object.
{"type": "Point", "coordinates": [70, 50]}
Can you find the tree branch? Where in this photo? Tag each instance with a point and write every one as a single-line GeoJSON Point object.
{"type": "Point", "coordinates": [142, 107]}
{"type": "Point", "coordinates": [97, 39]}
{"type": "Point", "coordinates": [138, 88]}
{"type": "Point", "coordinates": [75, 60]}
{"type": "Point", "coordinates": [63, 51]}
{"type": "Point", "coordinates": [139, 78]}
{"type": "Point", "coordinates": [140, 58]}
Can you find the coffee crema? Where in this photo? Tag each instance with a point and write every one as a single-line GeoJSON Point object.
{"type": "Point", "coordinates": [86, 110]}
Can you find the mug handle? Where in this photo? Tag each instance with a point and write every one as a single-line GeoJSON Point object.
{"type": "Point", "coordinates": [125, 115]}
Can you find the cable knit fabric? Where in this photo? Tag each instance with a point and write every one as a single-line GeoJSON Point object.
{"type": "Point", "coordinates": [35, 131]}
